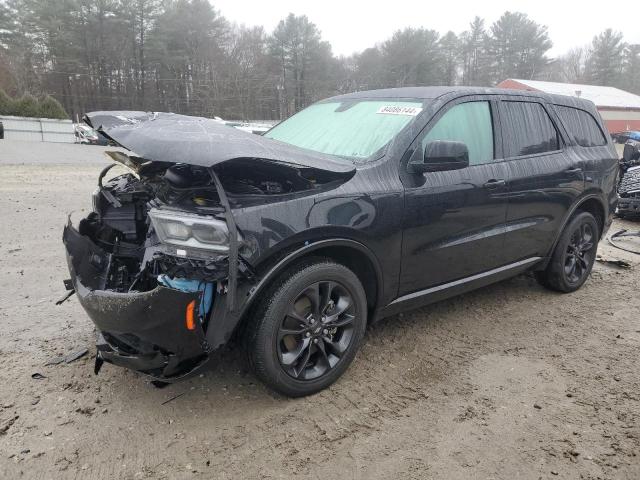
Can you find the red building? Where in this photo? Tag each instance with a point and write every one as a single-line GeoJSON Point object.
{"type": "Point", "coordinates": [620, 110]}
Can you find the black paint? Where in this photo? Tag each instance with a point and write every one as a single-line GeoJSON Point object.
{"type": "Point", "coordinates": [412, 237]}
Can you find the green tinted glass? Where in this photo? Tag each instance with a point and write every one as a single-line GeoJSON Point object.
{"type": "Point", "coordinates": [350, 129]}
{"type": "Point", "coordinates": [469, 123]}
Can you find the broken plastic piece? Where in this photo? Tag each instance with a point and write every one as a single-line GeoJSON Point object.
{"type": "Point", "coordinates": [173, 398]}
{"type": "Point", "coordinates": [98, 365]}
{"type": "Point", "coordinates": [65, 297]}
{"type": "Point", "coordinates": [72, 357]}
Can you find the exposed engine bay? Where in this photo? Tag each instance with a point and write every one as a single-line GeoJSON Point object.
{"type": "Point", "coordinates": [120, 223]}
{"type": "Point", "coordinates": [160, 254]}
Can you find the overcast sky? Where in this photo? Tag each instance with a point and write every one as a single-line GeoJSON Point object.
{"type": "Point", "coordinates": [353, 25]}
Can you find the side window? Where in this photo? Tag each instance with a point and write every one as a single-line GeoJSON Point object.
{"type": "Point", "coordinates": [527, 129]}
{"type": "Point", "coordinates": [469, 123]}
{"type": "Point", "coordinates": [581, 126]}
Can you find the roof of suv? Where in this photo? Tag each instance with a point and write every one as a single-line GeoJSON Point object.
{"type": "Point", "coordinates": [427, 93]}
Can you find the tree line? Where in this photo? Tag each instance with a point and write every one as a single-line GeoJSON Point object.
{"type": "Point", "coordinates": [29, 106]}
{"type": "Point", "coordinates": [184, 56]}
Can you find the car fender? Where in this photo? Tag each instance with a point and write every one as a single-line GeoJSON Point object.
{"type": "Point", "coordinates": [306, 249]}
{"type": "Point", "coordinates": [580, 201]}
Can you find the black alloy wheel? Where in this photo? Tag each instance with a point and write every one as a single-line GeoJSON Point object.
{"type": "Point", "coordinates": [573, 256]}
{"type": "Point", "coordinates": [316, 330]}
{"type": "Point", "coordinates": [577, 263]}
{"type": "Point", "coordinates": [307, 328]}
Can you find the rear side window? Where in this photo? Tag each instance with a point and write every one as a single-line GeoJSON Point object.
{"type": "Point", "coordinates": [581, 126]}
{"type": "Point", "coordinates": [528, 129]}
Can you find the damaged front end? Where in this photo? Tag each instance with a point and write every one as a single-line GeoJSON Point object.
{"type": "Point", "coordinates": [159, 265]}
{"type": "Point", "coordinates": [149, 275]}
{"type": "Point", "coordinates": [629, 194]}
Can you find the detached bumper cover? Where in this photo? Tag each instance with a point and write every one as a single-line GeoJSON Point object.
{"type": "Point", "coordinates": [143, 331]}
{"type": "Point", "coordinates": [629, 192]}
{"type": "Point", "coordinates": [629, 206]}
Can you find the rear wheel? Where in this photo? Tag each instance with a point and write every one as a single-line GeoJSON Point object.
{"type": "Point", "coordinates": [574, 255]}
{"type": "Point", "coordinates": [307, 328]}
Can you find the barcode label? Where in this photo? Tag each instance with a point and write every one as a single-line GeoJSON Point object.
{"type": "Point", "coordinates": [394, 110]}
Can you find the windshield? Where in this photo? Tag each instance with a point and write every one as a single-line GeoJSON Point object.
{"type": "Point", "coordinates": [351, 128]}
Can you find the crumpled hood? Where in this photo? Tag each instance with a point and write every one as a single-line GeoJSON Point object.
{"type": "Point", "coordinates": [169, 137]}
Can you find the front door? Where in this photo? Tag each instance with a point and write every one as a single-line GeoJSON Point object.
{"type": "Point", "coordinates": [454, 220]}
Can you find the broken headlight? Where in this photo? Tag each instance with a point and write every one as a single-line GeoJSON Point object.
{"type": "Point", "coordinates": [190, 231]}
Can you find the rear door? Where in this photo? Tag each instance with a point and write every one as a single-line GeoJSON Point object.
{"type": "Point", "coordinates": [454, 220]}
{"type": "Point", "coordinates": [544, 180]}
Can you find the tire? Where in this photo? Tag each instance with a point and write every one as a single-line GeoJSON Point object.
{"type": "Point", "coordinates": [286, 320]}
{"type": "Point", "coordinates": [573, 256]}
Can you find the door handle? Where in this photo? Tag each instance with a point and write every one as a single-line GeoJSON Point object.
{"type": "Point", "coordinates": [493, 184]}
{"type": "Point", "coordinates": [573, 170]}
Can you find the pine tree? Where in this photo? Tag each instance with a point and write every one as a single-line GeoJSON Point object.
{"type": "Point", "coordinates": [518, 46]}
{"type": "Point", "coordinates": [49, 107]}
{"type": "Point", "coordinates": [26, 106]}
{"type": "Point", "coordinates": [606, 60]}
{"type": "Point", "coordinates": [6, 104]}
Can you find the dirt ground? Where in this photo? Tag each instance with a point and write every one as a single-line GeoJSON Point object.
{"type": "Point", "coordinates": [510, 381]}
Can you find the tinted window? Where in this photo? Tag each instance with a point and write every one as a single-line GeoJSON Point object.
{"type": "Point", "coordinates": [581, 126]}
{"type": "Point", "coordinates": [528, 129]}
{"type": "Point", "coordinates": [469, 123]}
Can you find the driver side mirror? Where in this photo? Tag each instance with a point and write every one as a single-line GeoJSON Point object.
{"type": "Point", "coordinates": [441, 155]}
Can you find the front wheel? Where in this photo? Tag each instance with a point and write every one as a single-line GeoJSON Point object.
{"type": "Point", "coordinates": [307, 328]}
{"type": "Point", "coordinates": [573, 257]}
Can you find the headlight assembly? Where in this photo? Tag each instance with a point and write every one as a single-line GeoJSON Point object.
{"type": "Point", "coordinates": [190, 231]}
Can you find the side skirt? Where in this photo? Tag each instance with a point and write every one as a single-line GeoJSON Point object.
{"type": "Point", "coordinates": [457, 287]}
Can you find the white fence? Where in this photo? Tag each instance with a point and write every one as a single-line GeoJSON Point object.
{"type": "Point", "coordinates": [38, 129]}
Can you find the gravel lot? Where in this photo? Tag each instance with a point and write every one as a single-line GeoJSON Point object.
{"type": "Point", "coordinates": [510, 381]}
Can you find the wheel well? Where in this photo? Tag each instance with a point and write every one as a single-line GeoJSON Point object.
{"type": "Point", "coordinates": [359, 263]}
{"type": "Point", "coordinates": [594, 207]}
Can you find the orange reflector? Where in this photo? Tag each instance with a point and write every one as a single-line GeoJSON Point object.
{"type": "Point", "coordinates": [190, 318]}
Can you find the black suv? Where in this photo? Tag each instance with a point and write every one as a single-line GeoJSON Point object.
{"type": "Point", "coordinates": [354, 209]}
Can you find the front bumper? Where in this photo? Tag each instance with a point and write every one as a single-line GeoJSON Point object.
{"type": "Point", "coordinates": [143, 331]}
{"type": "Point", "coordinates": [628, 206]}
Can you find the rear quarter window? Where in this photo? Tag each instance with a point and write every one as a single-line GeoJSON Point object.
{"type": "Point", "coordinates": [581, 126]}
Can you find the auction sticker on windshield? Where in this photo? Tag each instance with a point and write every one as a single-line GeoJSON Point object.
{"type": "Point", "coordinates": [396, 110]}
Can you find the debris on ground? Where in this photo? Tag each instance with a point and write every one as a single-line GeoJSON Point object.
{"type": "Point", "coordinates": [613, 261]}
{"type": "Point", "coordinates": [65, 297]}
{"type": "Point", "coordinates": [173, 398]}
{"type": "Point", "coordinates": [71, 357]}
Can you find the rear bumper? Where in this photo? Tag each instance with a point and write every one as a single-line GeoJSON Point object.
{"type": "Point", "coordinates": [143, 331]}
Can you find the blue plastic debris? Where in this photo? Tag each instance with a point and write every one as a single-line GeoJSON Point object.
{"type": "Point", "coordinates": [186, 285]}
